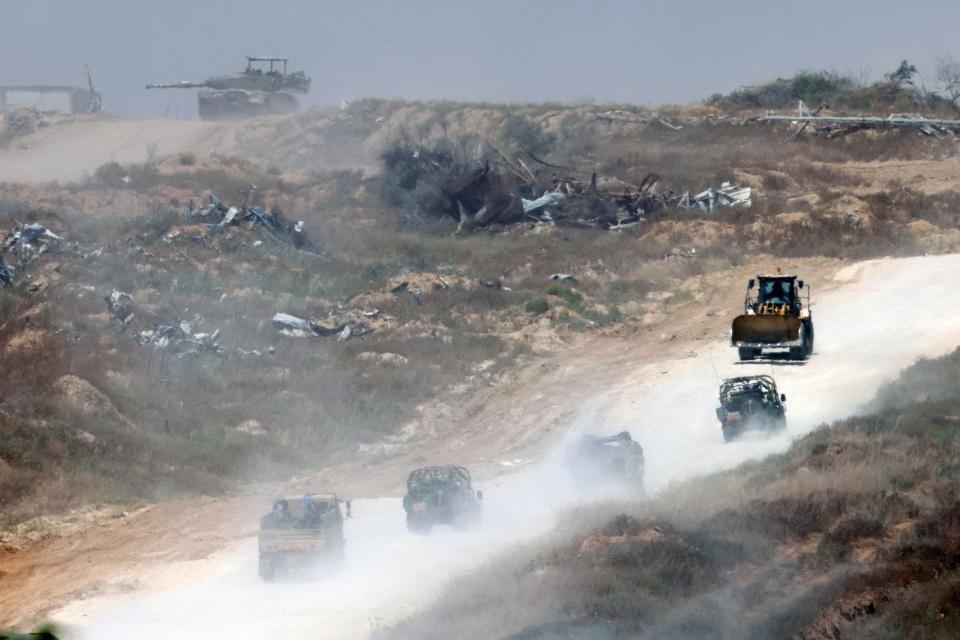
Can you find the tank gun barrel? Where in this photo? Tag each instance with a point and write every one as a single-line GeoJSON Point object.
{"type": "Point", "coordinates": [183, 84]}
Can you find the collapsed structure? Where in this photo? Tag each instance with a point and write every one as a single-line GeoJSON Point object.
{"type": "Point", "coordinates": [487, 188]}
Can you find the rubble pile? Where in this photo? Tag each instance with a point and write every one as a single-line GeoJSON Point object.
{"type": "Point", "coordinates": [489, 189]}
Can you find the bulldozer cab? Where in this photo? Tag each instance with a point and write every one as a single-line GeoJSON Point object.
{"type": "Point", "coordinates": [776, 291]}
{"type": "Point", "coordinates": [776, 295]}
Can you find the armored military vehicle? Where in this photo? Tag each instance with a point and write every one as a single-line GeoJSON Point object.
{"type": "Point", "coordinates": [617, 458]}
{"type": "Point", "coordinates": [301, 533]}
{"type": "Point", "coordinates": [256, 91]}
{"type": "Point", "coordinates": [750, 403]}
{"type": "Point", "coordinates": [441, 495]}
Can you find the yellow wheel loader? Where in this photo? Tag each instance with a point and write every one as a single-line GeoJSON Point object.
{"type": "Point", "coordinates": [776, 318]}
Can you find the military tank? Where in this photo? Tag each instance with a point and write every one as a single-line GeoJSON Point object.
{"type": "Point", "coordinates": [263, 88]}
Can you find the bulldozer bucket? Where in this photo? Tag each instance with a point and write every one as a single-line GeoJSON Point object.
{"type": "Point", "coordinates": [772, 330]}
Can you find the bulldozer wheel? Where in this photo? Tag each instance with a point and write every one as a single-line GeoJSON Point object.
{"type": "Point", "coordinates": [268, 568]}
{"type": "Point", "coordinates": [747, 353]}
{"type": "Point", "coordinates": [729, 434]}
{"type": "Point", "coordinates": [806, 345]}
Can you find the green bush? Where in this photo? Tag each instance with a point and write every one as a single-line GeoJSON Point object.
{"type": "Point", "coordinates": [537, 306]}
{"type": "Point", "coordinates": [572, 298]}
{"type": "Point", "coordinates": [528, 135]}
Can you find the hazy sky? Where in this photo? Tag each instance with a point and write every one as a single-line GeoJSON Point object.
{"type": "Point", "coordinates": [646, 52]}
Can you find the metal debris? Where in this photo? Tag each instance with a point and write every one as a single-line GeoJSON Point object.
{"type": "Point", "coordinates": [6, 274]}
{"type": "Point", "coordinates": [273, 220]}
{"type": "Point", "coordinates": [728, 195]}
{"type": "Point", "coordinates": [405, 288]}
{"type": "Point", "coordinates": [547, 199]}
{"type": "Point", "coordinates": [290, 325]}
{"type": "Point", "coordinates": [119, 304]}
{"type": "Point", "coordinates": [28, 240]}
{"type": "Point", "coordinates": [181, 339]}
{"type": "Point", "coordinates": [832, 126]}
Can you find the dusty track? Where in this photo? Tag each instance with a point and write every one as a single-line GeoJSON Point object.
{"type": "Point", "coordinates": [872, 322]}
{"type": "Point", "coordinates": [65, 151]}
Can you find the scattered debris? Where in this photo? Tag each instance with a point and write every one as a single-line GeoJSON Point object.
{"type": "Point", "coordinates": [562, 277]}
{"type": "Point", "coordinates": [119, 304]}
{"type": "Point", "coordinates": [26, 242]}
{"type": "Point", "coordinates": [484, 188]}
{"type": "Point", "coordinates": [295, 327]}
{"type": "Point", "coordinates": [727, 194]}
{"type": "Point", "coordinates": [6, 274]}
{"type": "Point", "coordinates": [405, 288]}
{"type": "Point", "coordinates": [834, 126]}
{"type": "Point", "coordinates": [498, 285]}
{"type": "Point", "coordinates": [181, 339]}
{"type": "Point", "coordinates": [273, 220]}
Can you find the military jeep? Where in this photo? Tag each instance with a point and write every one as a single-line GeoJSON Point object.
{"type": "Point", "coordinates": [618, 458]}
{"type": "Point", "coordinates": [441, 495]}
{"type": "Point", "coordinates": [750, 403]}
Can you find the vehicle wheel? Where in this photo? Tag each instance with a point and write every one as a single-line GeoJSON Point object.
{"type": "Point", "coordinates": [806, 346]}
{"type": "Point", "coordinates": [337, 557]}
{"type": "Point", "coordinates": [729, 434]}
{"type": "Point", "coordinates": [747, 353]}
{"type": "Point", "coordinates": [420, 526]}
{"type": "Point", "coordinates": [809, 334]}
{"type": "Point", "coordinates": [268, 568]}
{"type": "Point", "coordinates": [467, 521]}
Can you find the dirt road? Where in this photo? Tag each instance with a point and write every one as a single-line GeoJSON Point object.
{"type": "Point", "coordinates": [878, 317]}
{"type": "Point", "coordinates": [66, 151]}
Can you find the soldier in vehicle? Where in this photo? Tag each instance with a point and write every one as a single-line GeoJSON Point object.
{"type": "Point", "coordinates": [279, 518]}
